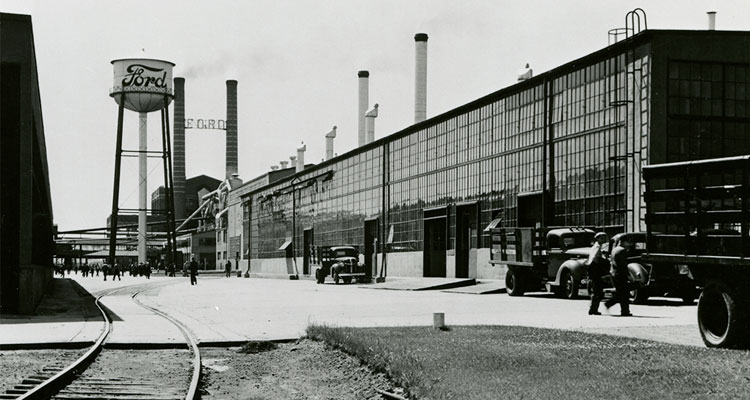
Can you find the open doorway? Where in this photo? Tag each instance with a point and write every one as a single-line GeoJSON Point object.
{"type": "Point", "coordinates": [466, 237]}
{"type": "Point", "coordinates": [435, 242]}
{"type": "Point", "coordinates": [534, 209]}
{"type": "Point", "coordinates": [371, 246]}
{"type": "Point", "coordinates": [308, 250]}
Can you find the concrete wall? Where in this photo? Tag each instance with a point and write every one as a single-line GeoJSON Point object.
{"type": "Point", "coordinates": [406, 264]}
{"type": "Point", "coordinates": [485, 270]}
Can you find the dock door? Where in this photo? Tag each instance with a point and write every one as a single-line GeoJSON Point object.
{"type": "Point", "coordinates": [466, 237]}
{"type": "Point", "coordinates": [435, 241]}
{"type": "Point", "coordinates": [308, 251]}
{"type": "Point", "coordinates": [371, 247]}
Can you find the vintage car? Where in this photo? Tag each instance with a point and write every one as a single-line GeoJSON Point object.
{"type": "Point", "coordinates": [540, 259]}
{"type": "Point", "coordinates": [647, 280]}
{"type": "Point", "coordinates": [342, 263]}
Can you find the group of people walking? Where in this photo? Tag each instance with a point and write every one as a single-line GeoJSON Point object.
{"type": "Point", "coordinates": [600, 264]}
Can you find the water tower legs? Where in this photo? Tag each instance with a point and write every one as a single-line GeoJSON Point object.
{"type": "Point", "coordinates": [142, 185]}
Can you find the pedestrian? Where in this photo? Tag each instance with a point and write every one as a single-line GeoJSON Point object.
{"type": "Point", "coordinates": [97, 268]}
{"type": "Point", "coordinates": [193, 272]}
{"type": "Point", "coordinates": [185, 267]}
{"type": "Point", "coordinates": [228, 268]}
{"type": "Point", "coordinates": [116, 272]}
{"type": "Point", "coordinates": [619, 262]}
{"type": "Point", "coordinates": [105, 270]}
{"type": "Point", "coordinates": [596, 266]}
{"type": "Point", "coordinates": [147, 271]}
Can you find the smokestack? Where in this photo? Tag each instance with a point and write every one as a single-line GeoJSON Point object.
{"type": "Point", "coordinates": [370, 117]}
{"type": "Point", "coordinates": [420, 81]}
{"type": "Point", "coordinates": [276, 167]}
{"type": "Point", "coordinates": [301, 157]}
{"type": "Point", "coordinates": [293, 160]}
{"type": "Point", "coordinates": [364, 99]}
{"type": "Point", "coordinates": [178, 153]}
{"type": "Point", "coordinates": [329, 143]}
{"type": "Point", "coordinates": [231, 136]}
{"type": "Point", "coordinates": [711, 20]}
{"type": "Point", "coordinates": [283, 164]}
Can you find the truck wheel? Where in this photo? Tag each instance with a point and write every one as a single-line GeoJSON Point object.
{"type": "Point", "coordinates": [317, 276]}
{"type": "Point", "coordinates": [513, 283]}
{"type": "Point", "coordinates": [721, 317]}
{"type": "Point", "coordinates": [570, 284]}
{"type": "Point", "coordinates": [347, 279]}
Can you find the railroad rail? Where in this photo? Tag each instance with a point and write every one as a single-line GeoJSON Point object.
{"type": "Point", "coordinates": [67, 382]}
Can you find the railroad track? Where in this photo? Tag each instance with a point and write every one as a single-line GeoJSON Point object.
{"type": "Point", "coordinates": [100, 373]}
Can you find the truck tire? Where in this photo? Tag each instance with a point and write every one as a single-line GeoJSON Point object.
{"type": "Point", "coordinates": [317, 276]}
{"type": "Point", "coordinates": [347, 279]}
{"type": "Point", "coordinates": [569, 285]}
{"type": "Point", "coordinates": [514, 283]}
{"type": "Point", "coordinates": [721, 317]}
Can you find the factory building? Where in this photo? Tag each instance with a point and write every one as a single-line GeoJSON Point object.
{"type": "Point", "coordinates": [26, 223]}
{"type": "Point", "coordinates": [563, 148]}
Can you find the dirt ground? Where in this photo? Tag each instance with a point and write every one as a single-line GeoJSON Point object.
{"type": "Point", "coordinates": [16, 365]}
{"type": "Point", "coordinates": [302, 370]}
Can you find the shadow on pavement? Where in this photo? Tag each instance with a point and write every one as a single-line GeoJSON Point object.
{"type": "Point", "coordinates": [64, 301]}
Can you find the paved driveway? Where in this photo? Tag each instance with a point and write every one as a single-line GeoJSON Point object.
{"type": "Point", "coordinates": [234, 309]}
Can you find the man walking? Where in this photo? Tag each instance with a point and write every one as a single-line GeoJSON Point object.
{"type": "Point", "coordinates": [228, 268]}
{"type": "Point", "coordinates": [193, 272]}
{"type": "Point", "coordinates": [619, 261]}
{"type": "Point", "coordinates": [596, 266]}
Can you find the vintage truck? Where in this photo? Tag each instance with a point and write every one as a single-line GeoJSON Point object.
{"type": "Point", "coordinates": [341, 263]}
{"type": "Point", "coordinates": [698, 219]}
{"type": "Point", "coordinates": [543, 259]}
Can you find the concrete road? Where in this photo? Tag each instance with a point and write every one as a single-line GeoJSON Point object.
{"type": "Point", "coordinates": [236, 309]}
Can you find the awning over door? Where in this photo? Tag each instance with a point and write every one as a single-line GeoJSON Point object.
{"type": "Point", "coordinates": [495, 222]}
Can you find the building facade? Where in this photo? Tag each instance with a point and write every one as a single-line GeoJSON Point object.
{"type": "Point", "coordinates": [564, 148]}
{"type": "Point", "coordinates": [26, 221]}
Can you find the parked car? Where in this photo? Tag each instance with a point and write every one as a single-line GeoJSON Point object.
{"type": "Point", "coordinates": [341, 263]}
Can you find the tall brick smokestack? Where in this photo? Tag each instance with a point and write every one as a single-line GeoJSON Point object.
{"type": "Point", "coordinates": [420, 78]}
{"type": "Point", "coordinates": [364, 103]}
{"type": "Point", "coordinates": [178, 154]}
{"type": "Point", "coordinates": [231, 152]}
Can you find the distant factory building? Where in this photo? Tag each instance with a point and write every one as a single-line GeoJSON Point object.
{"type": "Point", "coordinates": [562, 148]}
{"type": "Point", "coordinates": [26, 223]}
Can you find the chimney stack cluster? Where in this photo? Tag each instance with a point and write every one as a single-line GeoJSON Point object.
{"type": "Point", "coordinates": [329, 143]}
{"type": "Point", "coordinates": [283, 164]}
{"type": "Point", "coordinates": [301, 157]}
{"type": "Point", "coordinates": [364, 100]}
{"type": "Point", "coordinates": [231, 136]}
{"type": "Point", "coordinates": [711, 20]}
{"type": "Point", "coordinates": [370, 123]}
{"type": "Point", "coordinates": [178, 154]}
{"type": "Point", "coordinates": [420, 80]}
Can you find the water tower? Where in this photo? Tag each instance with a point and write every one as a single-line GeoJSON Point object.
{"type": "Point", "coordinates": [143, 85]}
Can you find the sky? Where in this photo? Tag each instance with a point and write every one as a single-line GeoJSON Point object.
{"type": "Point", "coordinates": [296, 64]}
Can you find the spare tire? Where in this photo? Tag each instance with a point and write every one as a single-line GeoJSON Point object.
{"type": "Point", "coordinates": [722, 318]}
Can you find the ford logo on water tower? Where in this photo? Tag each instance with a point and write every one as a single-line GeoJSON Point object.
{"type": "Point", "coordinates": [144, 81]}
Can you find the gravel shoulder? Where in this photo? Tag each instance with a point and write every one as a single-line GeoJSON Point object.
{"type": "Point", "coordinates": [16, 365]}
{"type": "Point", "coordinates": [301, 370]}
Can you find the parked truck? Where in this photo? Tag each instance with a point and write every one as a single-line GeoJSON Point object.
{"type": "Point", "coordinates": [543, 259]}
{"type": "Point", "coordinates": [697, 220]}
{"type": "Point", "coordinates": [341, 263]}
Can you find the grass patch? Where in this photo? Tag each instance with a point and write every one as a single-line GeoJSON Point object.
{"type": "Point", "coordinates": [257, 346]}
{"type": "Point", "coordinates": [490, 362]}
